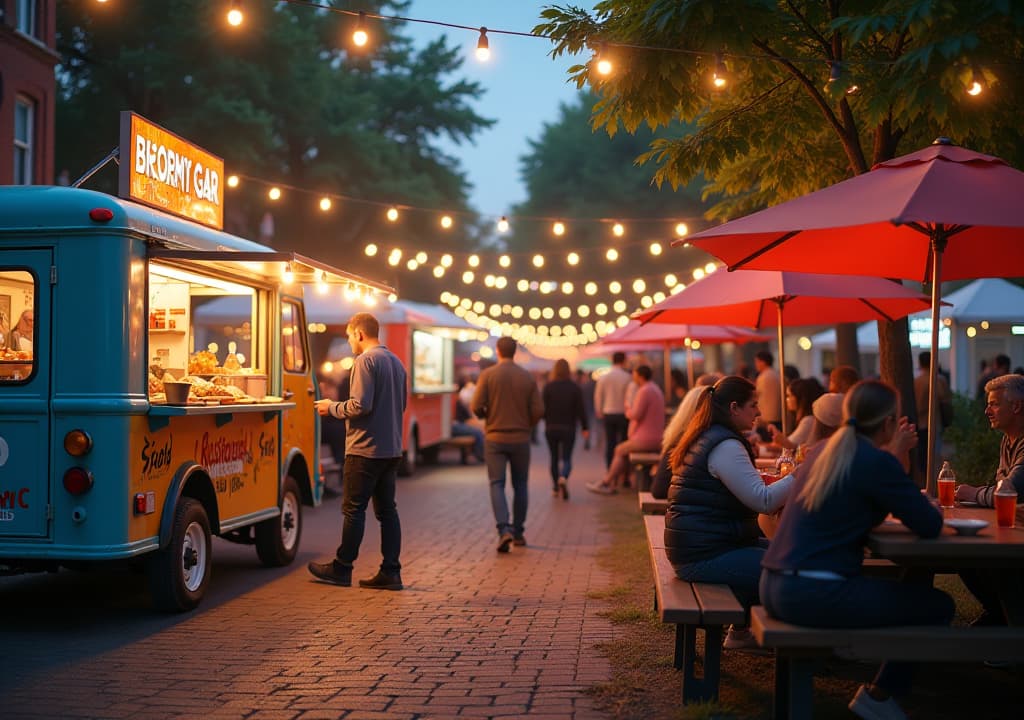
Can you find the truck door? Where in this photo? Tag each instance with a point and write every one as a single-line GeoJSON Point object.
{"type": "Point", "coordinates": [25, 323]}
{"type": "Point", "coordinates": [300, 426]}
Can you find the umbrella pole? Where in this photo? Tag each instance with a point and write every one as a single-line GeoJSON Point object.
{"type": "Point", "coordinates": [938, 244]}
{"type": "Point", "coordinates": [782, 373]}
{"type": "Point", "coordinates": [689, 365]}
{"type": "Point", "coordinates": [667, 361]}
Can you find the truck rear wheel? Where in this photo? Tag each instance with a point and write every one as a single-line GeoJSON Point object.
{"type": "Point", "coordinates": [277, 539]}
{"type": "Point", "coordinates": [180, 572]}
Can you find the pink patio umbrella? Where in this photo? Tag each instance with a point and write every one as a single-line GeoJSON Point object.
{"type": "Point", "coordinates": [941, 213]}
{"type": "Point", "coordinates": [760, 299]}
{"type": "Point", "coordinates": [667, 336]}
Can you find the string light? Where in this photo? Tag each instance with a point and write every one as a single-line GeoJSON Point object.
{"type": "Point", "coordinates": [360, 37]}
{"type": "Point", "coordinates": [446, 260]}
{"type": "Point", "coordinates": [288, 275]}
{"type": "Point", "coordinates": [473, 261]}
{"type": "Point", "coordinates": [325, 204]}
{"type": "Point", "coordinates": [505, 261]}
{"type": "Point", "coordinates": [538, 261]}
{"type": "Point", "coordinates": [274, 193]}
{"type": "Point", "coordinates": [612, 254]}
{"type": "Point", "coordinates": [392, 214]}
{"type": "Point", "coordinates": [483, 47]}
{"type": "Point", "coordinates": [371, 250]}
{"type": "Point", "coordinates": [681, 229]}
{"type": "Point", "coordinates": [977, 86]}
{"type": "Point", "coordinates": [232, 181]}
{"type": "Point", "coordinates": [446, 221]}
{"type": "Point", "coordinates": [321, 284]}
{"type": "Point", "coordinates": [655, 248]}
{"type": "Point", "coordinates": [573, 258]}
{"type": "Point", "coordinates": [558, 228]}
{"type": "Point", "coordinates": [235, 15]}
{"type": "Point", "coordinates": [719, 79]}
{"type": "Point", "coordinates": [603, 64]}
{"type": "Point", "coordinates": [503, 224]}
{"type": "Point", "coordinates": [618, 230]}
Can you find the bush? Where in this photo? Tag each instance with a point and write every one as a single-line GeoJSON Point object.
{"type": "Point", "coordinates": [976, 445]}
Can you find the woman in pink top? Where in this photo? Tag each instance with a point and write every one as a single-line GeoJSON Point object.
{"type": "Point", "coordinates": [646, 415]}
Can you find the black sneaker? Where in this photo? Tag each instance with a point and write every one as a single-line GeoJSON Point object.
{"type": "Point", "coordinates": [505, 542]}
{"type": "Point", "coordinates": [331, 572]}
{"type": "Point", "coordinates": [519, 540]}
{"type": "Point", "coordinates": [382, 581]}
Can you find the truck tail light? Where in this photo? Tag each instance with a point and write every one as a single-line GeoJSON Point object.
{"type": "Point", "coordinates": [144, 503]}
{"type": "Point", "coordinates": [77, 443]}
{"type": "Point", "coordinates": [77, 480]}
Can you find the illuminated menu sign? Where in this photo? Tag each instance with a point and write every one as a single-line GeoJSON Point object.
{"type": "Point", "coordinates": [160, 169]}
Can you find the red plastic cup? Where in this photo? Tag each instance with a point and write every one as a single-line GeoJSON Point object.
{"type": "Point", "coordinates": [768, 477]}
{"type": "Point", "coordinates": [1006, 508]}
{"type": "Point", "coordinates": [947, 493]}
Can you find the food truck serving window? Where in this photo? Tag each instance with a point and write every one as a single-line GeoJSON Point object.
{"type": "Point", "coordinates": [431, 362]}
{"type": "Point", "coordinates": [17, 325]}
{"type": "Point", "coordinates": [205, 330]}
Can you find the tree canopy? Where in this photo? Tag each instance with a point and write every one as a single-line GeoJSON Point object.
{"type": "Point", "coordinates": [284, 98]}
{"type": "Point", "coordinates": [780, 128]}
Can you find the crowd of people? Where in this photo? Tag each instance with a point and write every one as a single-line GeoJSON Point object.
{"type": "Point", "coordinates": [794, 543]}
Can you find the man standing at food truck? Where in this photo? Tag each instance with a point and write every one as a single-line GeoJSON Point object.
{"type": "Point", "coordinates": [373, 450]}
{"type": "Point", "coordinates": [508, 401]}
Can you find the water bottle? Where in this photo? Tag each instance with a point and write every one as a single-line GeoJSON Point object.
{"type": "Point", "coordinates": [946, 485]}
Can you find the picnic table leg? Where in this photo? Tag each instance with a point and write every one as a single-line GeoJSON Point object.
{"type": "Point", "coordinates": [794, 688]}
{"type": "Point", "coordinates": [706, 687]}
{"type": "Point", "coordinates": [680, 653]}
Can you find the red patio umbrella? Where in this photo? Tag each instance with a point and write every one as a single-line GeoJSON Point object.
{"type": "Point", "coordinates": [667, 336]}
{"type": "Point", "coordinates": [760, 299]}
{"type": "Point", "coordinates": [941, 213]}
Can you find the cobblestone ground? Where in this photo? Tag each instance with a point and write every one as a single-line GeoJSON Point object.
{"type": "Point", "coordinates": [475, 634]}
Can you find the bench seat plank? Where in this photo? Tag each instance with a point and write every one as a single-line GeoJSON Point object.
{"type": "Point", "coordinates": [650, 504]}
{"type": "Point", "coordinates": [718, 605]}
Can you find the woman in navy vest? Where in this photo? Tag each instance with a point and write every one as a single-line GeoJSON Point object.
{"type": "Point", "coordinates": [711, 531]}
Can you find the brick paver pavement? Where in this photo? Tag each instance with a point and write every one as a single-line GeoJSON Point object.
{"type": "Point", "coordinates": [475, 634]}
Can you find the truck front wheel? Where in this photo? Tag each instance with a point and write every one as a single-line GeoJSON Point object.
{"type": "Point", "coordinates": [180, 572]}
{"type": "Point", "coordinates": [277, 539]}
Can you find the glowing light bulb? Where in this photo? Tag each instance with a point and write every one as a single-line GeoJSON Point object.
{"type": "Point", "coordinates": [558, 229]}
{"type": "Point", "coordinates": [505, 261]}
{"type": "Point", "coordinates": [573, 258]}
{"type": "Point", "coordinates": [288, 275]}
{"type": "Point", "coordinates": [446, 260]}
{"type": "Point", "coordinates": [503, 224]}
{"type": "Point", "coordinates": [392, 214]}
{"type": "Point", "coordinates": [538, 261]}
{"type": "Point", "coordinates": [720, 77]}
{"type": "Point", "coordinates": [274, 193]}
{"type": "Point", "coordinates": [467, 277]}
{"type": "Point", "coordinates": [446, 221]}
{"type": "Point", "coordinates": [360, 37]}
{"type": "Point", "coordinates": [412, 264]}
{"type": "Point", "coordinates": [371, 250]}
{"type": "Point", "coordinates": [325, 204]}
{"type": "Point", "coordinates": [567, 288]}
{"type": "Point", "coordinates": [590, 288]}
{"type": "Point", "coordinates": [233, 181]}
{"type": "Point", "coordinates": [655, 248]}
{"type": "Point", "coordinates": [671, 280]}
{"type": "Point", "coordinates": [639, 286]}
{"type": "Point", "coordinates": [612, 254]}
{"type": "Point", "coordinates": [473, 261]}
{"type": "Point", "coordinates": [421, 257]}
{"type": "Point", "coordinates": [235, 16]}
{"type": "Point", "coordinates": [438, 271]}
{"type": "Point", "coordinates": [618, 230]}
{"type": "Point", "coordinates": [681, 229]}
{"type": "Point", "coordinates": [321, 283]}
{"type": "Point", "coordinates": [614, 287]}
{"type": "Point", "coordinates": [483, 47]}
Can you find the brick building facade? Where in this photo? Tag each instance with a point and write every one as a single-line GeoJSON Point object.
{"type": "Point", "coordinates": [28, 90]}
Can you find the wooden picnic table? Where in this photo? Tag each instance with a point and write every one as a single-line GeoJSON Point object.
{"type": "Point", "coordinates": [995, 548]}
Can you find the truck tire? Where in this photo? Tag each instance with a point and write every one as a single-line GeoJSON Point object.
{"type": "Point", "coordinates": [180, 572]}
{"type": "Point", "coordinates": [277, 539]}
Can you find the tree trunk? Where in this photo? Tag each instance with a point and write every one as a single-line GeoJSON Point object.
{"type": "Point", "coordinates": [897, 368]}
{"type": "Point", "coordinates": [847, 352]}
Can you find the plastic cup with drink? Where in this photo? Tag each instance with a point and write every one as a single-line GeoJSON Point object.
{"type": "Point", "coordinates": [1006, 504]}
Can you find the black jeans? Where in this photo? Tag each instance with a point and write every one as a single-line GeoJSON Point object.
{"type": "Point", "coordinates": [616, 426]}
{"type": "Point", "coordinates": [560, 445]}
{"type": "Point", "coordinates": [367, 478]}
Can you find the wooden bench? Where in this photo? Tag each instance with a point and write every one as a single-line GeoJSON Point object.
{"type": "Point", "coordinates": [650, 505]}
{"type": "Point", "coordinates": [798, 649]}
{"type": "Point", "coordinates": [691, 607]}
{"type": "Point", "coordinates": [464, 443]}
{"type": "Point", "coordinates": [642, 463]}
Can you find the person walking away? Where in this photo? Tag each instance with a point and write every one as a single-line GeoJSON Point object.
{"type": "Point", "coordinates": [508, 401]}
{"type": "Point", "coordinates": [711, 530]}
{"type": "Point", "coordinates": [1005, 412]}
{"type": "Point", "coordinates": [373, 449]}
{"type": "Point", "coordinates": [586, 383]}
{"type": "Point", "coordinates": [563, 409]}
{"type": "Point", "coordinates": [769, 392]}
{"type": "Point", "coordinates": [813, 569]}
{"type": "Point", "coordinates": [610, 404]}
{"type": "Point", "coordinates": [646, 413]}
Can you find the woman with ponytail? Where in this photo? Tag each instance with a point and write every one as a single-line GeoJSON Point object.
{"type": "Point", "coordinates": [711, 531]}
{"type": "Point", "coordinates": [812, 572]}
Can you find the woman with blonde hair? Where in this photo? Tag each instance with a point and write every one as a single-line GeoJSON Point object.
{"type": "Point", "coordinates": [711, 531]}
{"type": "Point", "coordinates": [563, 410]}
{"type": "Point", "coordinates": [674, 431]}
{"type": "Point", "coordinates": [812, 571]}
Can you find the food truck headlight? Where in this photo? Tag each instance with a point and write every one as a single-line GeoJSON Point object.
{"type": "Point", "coordinates": [77, 443]}
{"type": "Point", "coordinates": [77, 480]}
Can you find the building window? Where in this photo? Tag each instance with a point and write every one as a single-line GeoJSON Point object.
{"type": "Point", "coordinates": [24, 140]}
{"type": "Point", "coordinates": [26, 17]}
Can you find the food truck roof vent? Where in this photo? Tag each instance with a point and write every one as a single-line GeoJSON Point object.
{"type": "Point", "coordinates": [101, 215]}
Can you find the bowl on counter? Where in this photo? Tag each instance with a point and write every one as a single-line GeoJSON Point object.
{"type": "Point", "coordinates": [177, 392]}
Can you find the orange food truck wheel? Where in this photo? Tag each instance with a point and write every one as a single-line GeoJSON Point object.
{"type": "Point", "coordinates": [277, 539]}
{"type": "Point", "coordinates": [179, 573]}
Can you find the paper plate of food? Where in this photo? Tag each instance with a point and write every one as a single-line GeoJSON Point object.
{"type": "Point", "coordinates": [271, 399]}
{"type": "Point", "coordinates": [966, 526]}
